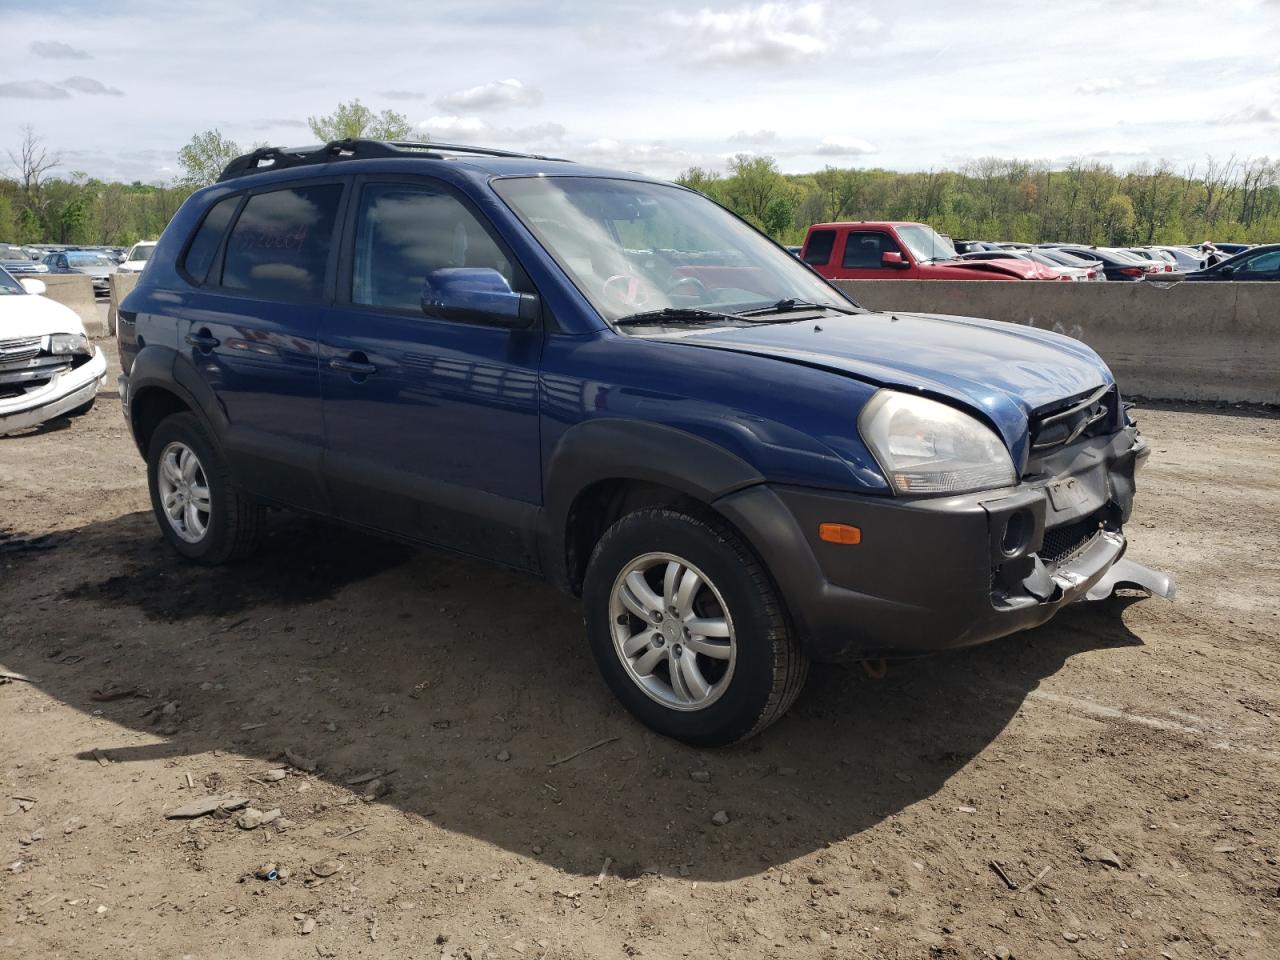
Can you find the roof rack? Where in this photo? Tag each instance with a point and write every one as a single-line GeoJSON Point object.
{"type": "Point", "coordinates": [280, 158]}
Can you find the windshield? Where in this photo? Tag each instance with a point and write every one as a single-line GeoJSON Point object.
{"type": "Point", "coordinates": [925, 243]}
{"type": "Point", "coordinates": [635, 247]}
{"type": "Point", "coordinates": [89, 260]}
{"type": "Point", "coordinates": [141, 252]}
{"type": "Point", "coordinates": [9, 285]}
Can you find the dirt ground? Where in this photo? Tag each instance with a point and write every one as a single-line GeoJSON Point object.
{"type": "Point", "coordinates": [1119, 765]}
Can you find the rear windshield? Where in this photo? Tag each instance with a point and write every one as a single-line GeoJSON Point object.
{"type": "Point", "coordinates": [141, 253]}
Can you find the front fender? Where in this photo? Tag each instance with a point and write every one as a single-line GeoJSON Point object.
{"type": "Point", "coordinates": [623, 449]}
{"type": "Point", "coordinates": [163, 368]}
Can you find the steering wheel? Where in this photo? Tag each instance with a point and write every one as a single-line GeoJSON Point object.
{"type": "Point", "coordinates": [696, 288]}
{"type": "Point", "coordinates": [629, 290]}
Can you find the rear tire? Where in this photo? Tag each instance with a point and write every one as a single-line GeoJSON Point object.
{"type": "Point", "coordinates": [201, 512]}
{"type": "Point", "coordinates": [688, 629]}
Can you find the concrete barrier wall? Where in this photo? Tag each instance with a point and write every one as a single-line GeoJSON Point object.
{"type": "Point", "coordinates": [76, 292]}
{"type": "Point", "coordinates": [1181, 341]}
{"type": "Point", "coordinates": [121, 285]}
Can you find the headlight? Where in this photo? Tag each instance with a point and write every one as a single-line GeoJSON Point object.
{"type": "Point", "coordinates": [61, 343]}
{"type": "Point", "coordinates": [927, 447]}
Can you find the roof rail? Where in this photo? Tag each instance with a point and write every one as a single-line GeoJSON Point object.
{"type": "Point", "coordinates": [281, 158]}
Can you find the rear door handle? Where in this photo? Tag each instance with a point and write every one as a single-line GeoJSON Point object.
{"type": "Point", "coordinates": [203, 340]}
{"type": "Point", "coordinates": [356, 368]}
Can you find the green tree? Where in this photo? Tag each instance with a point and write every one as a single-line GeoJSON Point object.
{"type": "Point", "coordinates": [701, 179]}
{"type": "Point", "coordinates": [779, 215]}
{"type": "Point", "coordinates": [205, 156]}
{"type": "Point", "coordinates": [351, 121]}
{"type": "Point", "coordinates": [74, 220]}
{"type": "Point", "coordinates": [753, 184]}
{"type": "Point", "coordinates": [8, 220]}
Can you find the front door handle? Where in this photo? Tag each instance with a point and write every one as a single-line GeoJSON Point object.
{"type": "Point", "coordinates": [357, 368]}
{"type": "Point", "coordinates": [203, 340]}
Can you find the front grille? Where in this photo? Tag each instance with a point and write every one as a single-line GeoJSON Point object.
{"type": "Point", "coordinates": [1064, 542]}
{"type": "Point", "coordinates": [1067, 422]}
{"type": "Point", "coordinates": [12, 351]}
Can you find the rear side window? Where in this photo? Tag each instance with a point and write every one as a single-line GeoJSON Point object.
{"type": "Point", "coordinates": [864, 248]}
{"type": "Point", "coordinates": [818, 250]}
{"type": "Point", "coordinates": [204, 245]}
{"type": "Point", "coordinates": [279, 247]}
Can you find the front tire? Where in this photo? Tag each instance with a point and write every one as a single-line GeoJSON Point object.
{"type": "Point", "coordinates": [687, 628]}
{"type": "Point", "coordinates": [201, 512]}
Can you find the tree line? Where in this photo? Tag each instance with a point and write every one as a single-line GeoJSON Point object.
{"type": "Point", "coordinates": [995, 199]}
{"type": "Point", "coordinates": [37, 205]}
{"type": "Point", "coordinates": [990, 199]}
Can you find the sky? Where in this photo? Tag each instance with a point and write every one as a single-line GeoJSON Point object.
{"type": "Point", "coordinates": [654, 86]}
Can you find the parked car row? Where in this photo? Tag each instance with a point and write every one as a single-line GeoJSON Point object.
{"type": "Point", "coordinates": [870, 250]}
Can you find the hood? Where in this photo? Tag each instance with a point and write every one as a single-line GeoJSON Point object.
{"type": "Point", "coordinates": [1016, 266]}
{"type": "Point", "coordinates": [29, 315]}
{"type": "Point", "coordinates": [1002, 371]}
{"type": "Point", "coordinates": [95, 271]}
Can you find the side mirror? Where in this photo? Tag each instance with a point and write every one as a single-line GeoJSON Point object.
{"type": "Point", "coordinates": [1227, 271]}
{"type": "Point", "coordinates": [477, 293]}
{"type": "Point", "coordinates": [34, 287]}
{"type": "Point", "coordinates": [893, 260]}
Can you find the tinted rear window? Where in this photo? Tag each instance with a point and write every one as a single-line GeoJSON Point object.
{"type": "Point", "coordinates": [279, 247]}
{"type": "Point", "coordinates": [818, 250]}
{"type": "Point", "coordinates": [204, 245]}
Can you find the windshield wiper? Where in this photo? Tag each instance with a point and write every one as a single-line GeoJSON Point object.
{"type": "Point", "coordinates": [789, 304]}
{"type": "Point", "coordinates": [673, 315]}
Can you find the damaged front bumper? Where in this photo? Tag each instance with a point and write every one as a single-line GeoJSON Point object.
{"type": "Point", "coordinates": [937, 573]}
{"type": "Point", "coordinates": [66, 390]}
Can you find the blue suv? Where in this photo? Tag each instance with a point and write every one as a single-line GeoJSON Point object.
{"type": "Point", "coordinates": [614, 383]}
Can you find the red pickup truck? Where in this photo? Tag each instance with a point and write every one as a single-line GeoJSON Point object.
{"type": "Point", "coordinates": [883, 250]}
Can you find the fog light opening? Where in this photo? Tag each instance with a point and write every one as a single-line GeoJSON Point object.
{"type": "Point", "coordinates": [1017, 533]}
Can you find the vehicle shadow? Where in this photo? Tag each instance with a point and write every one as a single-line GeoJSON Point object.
{"type": "Point", "coordinates": [469, 681]}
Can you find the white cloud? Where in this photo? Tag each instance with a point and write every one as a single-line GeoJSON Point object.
{"type": "Point", "coordinates": [32, 90]}
{"type": "Point", "coordinates": [449, 127]}
{"type": "Point", "coordinates": [90, 86]}
{"type": "Point", "coordinates": [403, 95]}
{"type": "Point", "coordinates": [844, 147]}
{"type": "Point", "coordinates": [1115, 84]}
{"type": "Point", "coordinates": [57, 50]}
{"type": "Point", "coordinates": [497, 95]}
{"type": "Point", "coordinates": [765, 33]}
{"type": "Point", "coordinates": [755, 138]}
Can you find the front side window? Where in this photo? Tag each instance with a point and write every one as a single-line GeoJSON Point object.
{"type": "Point", "coordinates": [633, 247]}
{"type": "Point", "coordinates": [403, 233]}
{"type": "Point", "coordinates": [8, 285]}
{"type": "Point", "coordinates": [863, 249]}
{"type": "Point", "coordinates": [279, 247]}
{"type": "Point", "coordinates": [204, 245]}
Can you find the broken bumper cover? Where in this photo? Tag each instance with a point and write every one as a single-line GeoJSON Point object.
{"type": "Point", "coordinates": [64, 392]}
{"type": "Point", "coordinates": [939, 573]}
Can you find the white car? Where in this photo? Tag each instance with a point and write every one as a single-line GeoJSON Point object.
{"type": "Point", "coordinates": [136, 259]}
{"type": "Point", "coordinates": [48, 367]}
